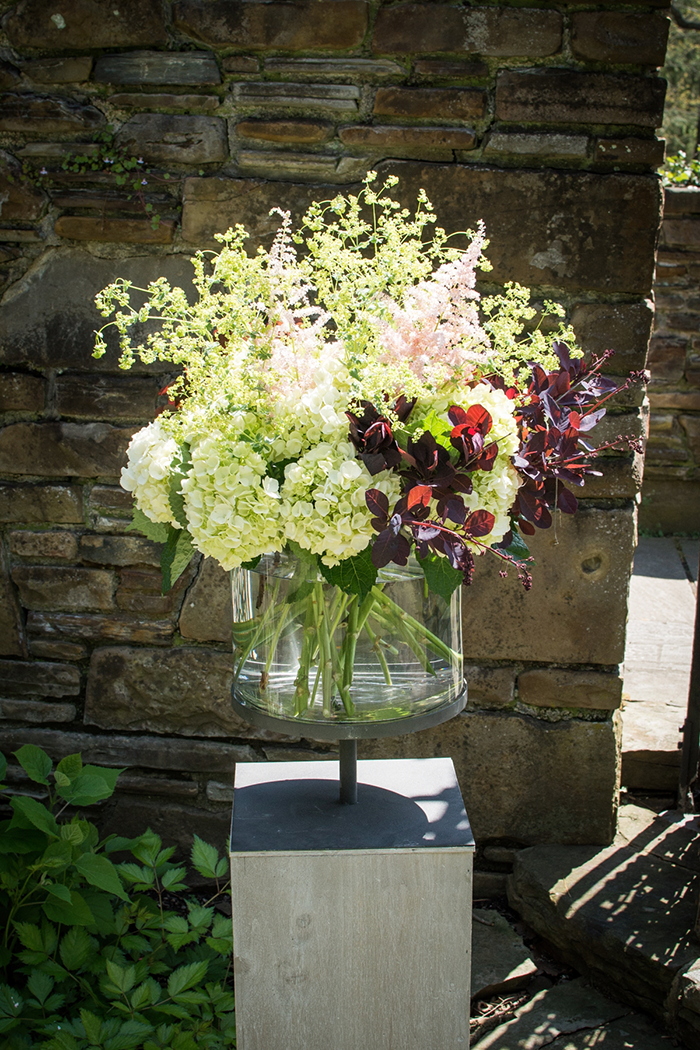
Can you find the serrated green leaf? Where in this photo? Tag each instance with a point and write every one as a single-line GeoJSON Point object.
{"type": "Point", "coordinates": [173, 878]}
{"type": "Point", "coordinates": [356, 575]}
{"type": "Point", "coordinates": [35, 762]}
{"type": "Point", "coordinates": [186, 977]}
{"type": "Point", "coordinates": [141, 996]}
{"type": "Point", "coordinates": [40, 985]}
{"type": "Point", "coordinates": [30, 936]}
{"type": "Point", "coordinates": [70, 766]}
{"type": "Point", "coordinates": [75, 948]}
{"type": "Point", "coordinates": [36, 814]}
{"type": "Point", "coordinates": [92, 1026]}
{"type": "Point", "coordinates": [175, 924]}
{"type": "Point", "coordinates": [122, 977]}
{"type": "Point", "coordinates": [176, 556]}
{"type": "Point", "coordinates": [441, 578]}
{"type": "Point", "coordinates": [199, 916]}
{"type": "Point", "coordinates": [11, 1002]}
{"type": "Point", "coordinates": [101, 873]}
{"type": "Point", "coordinates": [204, 857]}
{"type": "Point", "coordinates": [153, 530]}
{"type": "Point", "coordinates": [61, 779]}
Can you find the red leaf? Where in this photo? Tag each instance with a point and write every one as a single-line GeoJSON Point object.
{"type": "Point", "coordinates": [480, 523]}
{"type": "Point", "coordinates": [377, 503]}
{"type": "Point", "coordinates": [456, 415]}
{"type": "Point", "coordinates": [479, 419]}
{"type": "Point", "coordinates": [419, 494]}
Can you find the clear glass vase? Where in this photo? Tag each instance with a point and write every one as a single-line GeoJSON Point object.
{"type": "Point", "coordinates": [304, 651]}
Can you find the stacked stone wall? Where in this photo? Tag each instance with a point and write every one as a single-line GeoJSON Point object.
{"type": "Point", "coordinates": [538, 118]}
{"type": "Point", "coordinates": [671, 491]}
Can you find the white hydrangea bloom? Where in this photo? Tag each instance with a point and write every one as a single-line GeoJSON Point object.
{"type": "Point", "coordinates": [232, 507]}
{"type": "Point", "coordinates": [323, 501]}
{"type": "Point", "coordinates": [147, 475]}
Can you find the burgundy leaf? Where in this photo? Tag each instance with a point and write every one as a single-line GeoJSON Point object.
{"type": "Point", "coordinates": [377, 503]}
{"type": "Point", "coordinates": [480, 523]}
{"type": "Point", "coordinates": [566, 501]}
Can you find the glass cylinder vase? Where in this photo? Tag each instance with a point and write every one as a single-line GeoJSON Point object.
{"type": "Point", "coordinates": [333, 665]}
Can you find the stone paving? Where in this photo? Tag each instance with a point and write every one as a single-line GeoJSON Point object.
{"type": "Point", "coordinates": [657, 660]}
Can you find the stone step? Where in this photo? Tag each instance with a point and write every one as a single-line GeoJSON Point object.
{"type": "Point", "coordinates": [622, 915]}
{"type": "Point", "coordinates": [573, 1016]}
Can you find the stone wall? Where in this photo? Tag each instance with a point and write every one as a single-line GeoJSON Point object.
{"type": "Point", "coordinates": [671, 491]}
{"type": "Point", "coordinates": [538, 119]}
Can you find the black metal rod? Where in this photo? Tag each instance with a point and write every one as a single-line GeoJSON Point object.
{"type": "Point", "coordinates": [348, 772]}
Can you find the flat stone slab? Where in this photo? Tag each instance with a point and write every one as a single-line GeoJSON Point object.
{"type": "Point", "coordinates": [651, 759]}
{"type": "Point", "coordinates": [573, 1016]}
{"type": "Point", "coordinates": [624, 914]}
{"type": "Point", "coordinates": [500, 961]}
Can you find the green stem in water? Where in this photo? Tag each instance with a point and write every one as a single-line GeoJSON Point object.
{"type": "Point", "coordinates": [380, 655]}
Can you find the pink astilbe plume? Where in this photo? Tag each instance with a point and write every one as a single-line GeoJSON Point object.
{"type": "Point", "coordinates": [296, 333]}
{"type": "Point", "coordinates": [439, 322]}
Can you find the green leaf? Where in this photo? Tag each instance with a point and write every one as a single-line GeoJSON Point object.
{"type": "Point", "coordinates": [175, 924]}
{"type": "Point", "coordinates": [11, 1002]}
{"type": "Point", "coordinates": [186, 977]}
{"type": "Point", "coordinates": [70, 766]}
{"type": "Point", "coordinates": [57, 889]}
{"type": "Point", "coordinates": [30, 936]}
{"type": "Point", "coordinates": [441, 578]}
{"type": "Point", "coordinates": [518, 548]}
{"type": "Point", "coordinates": [252, 564]}
{"type": "Point", "coordinates": [106, 773]}
{"type": "Point", "coordinates": [72, 833]}
{"type": "Point", "coordinates": [92, 1026]}
{"type": "Point", "coordinates": [35, 762]}
{"type": "Point", "coordinates": [175, 498]}
{"type": "Point", "coordinates": [176, 556]}
{"type": "Point", "coordinates": [121, 977]}
{"type": "Point", "coordinates": [22, 840]}
{"type": "Point", "coordinates": [102, 873]}
{"type": "Point", "coordinates": [3, 766]}
{"type": "Point", "coordinates": [156, 531]}
{"type": "Point", "coordinates": [100, 904]}
{"type": "Point", "coordinates": [75, 948]}
{"type": "Point", "coordinates": [200, 917]}
{"type": "Point", "coordinates": [204, 857]}
{"type": "Point", "coordinates": [356, 575]}
{"type": "Point", "coordinates": [88, 787]}
{"type": "Point", "coordinates": [76, 913]}
{"type": "Point", "coordinates": [40, 985]}
{"type": "Point", "coordinates": [36, 814]}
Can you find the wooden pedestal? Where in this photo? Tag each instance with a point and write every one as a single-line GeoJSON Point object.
{"type": "Point", "coordinates": [351, 924]}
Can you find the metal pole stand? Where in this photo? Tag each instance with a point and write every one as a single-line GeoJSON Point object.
{"type": "Point", "coordinates": [348, 772]}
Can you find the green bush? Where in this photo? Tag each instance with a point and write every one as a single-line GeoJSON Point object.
{"type": "Point", "coordinates": [91, 957]}
{"type": "Point", "coordinates": [679, 171]}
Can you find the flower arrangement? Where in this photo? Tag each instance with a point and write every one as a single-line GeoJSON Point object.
{"type": "Point", "coordinates": [356, 404]}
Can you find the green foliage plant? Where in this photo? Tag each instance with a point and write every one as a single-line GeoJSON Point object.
{"type": "Point", "coordinates": [92, 957]}
{"type": "Point", "coordinates": [678, 170]}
